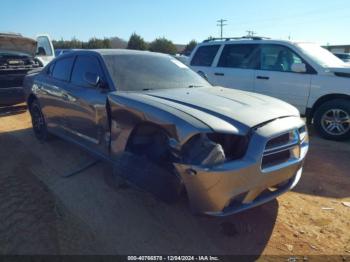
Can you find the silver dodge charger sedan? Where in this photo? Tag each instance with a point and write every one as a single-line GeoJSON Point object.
{"type": "Point", "coordinates": [229, 150]}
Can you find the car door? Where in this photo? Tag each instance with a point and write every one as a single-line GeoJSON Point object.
{"type": "Point", "coordinates": [52, 91]}
{"type": "Point", "coordinates": [276, 78]}
{"type": "Point", "coordinates": [236, 67]}
{"type": "Point", "coordinates": [44, 51]}
{"type": "Point", "coordinates": [86, 107]}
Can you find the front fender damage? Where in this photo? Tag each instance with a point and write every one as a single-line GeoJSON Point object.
{"type": "Point", "coordinates": [195, 149]}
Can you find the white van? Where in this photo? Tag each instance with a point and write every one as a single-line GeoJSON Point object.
{"type": "Point", "coordinates": [303, 74]}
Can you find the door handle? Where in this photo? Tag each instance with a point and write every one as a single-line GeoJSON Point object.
{"type": "Point", "coordinates": [219, 74]}
{"type": "Point", "coordinates": [263, 77]}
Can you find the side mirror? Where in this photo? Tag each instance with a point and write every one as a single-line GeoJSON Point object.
{"type": "Point", "coordinates": [92, 79]}
{"type": "Point", "coordinates": [298, 68]}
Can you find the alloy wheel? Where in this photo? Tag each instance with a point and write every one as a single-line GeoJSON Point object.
{"type": "Point", "coordinates": [336, 122]}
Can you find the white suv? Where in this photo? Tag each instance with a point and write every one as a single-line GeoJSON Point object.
{"type": "Point", "coordinates": [303, 74]}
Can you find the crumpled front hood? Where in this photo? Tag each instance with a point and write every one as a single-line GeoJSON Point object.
{"type": "Point", "coordinates": [217, 107]}
{"type": "Point", "coordinates": [18, 44]}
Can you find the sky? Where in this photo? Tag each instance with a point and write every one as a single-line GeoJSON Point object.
{"type": "Point", "coordinates": [320, 21]}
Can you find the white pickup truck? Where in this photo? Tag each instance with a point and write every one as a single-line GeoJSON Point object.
{"type": "Point", "coordinates": [303, 74]}
{"type": "Point", "coordinates": [18, 56]}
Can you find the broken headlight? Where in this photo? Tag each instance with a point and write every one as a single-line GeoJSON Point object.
{"type": "Point", "coordinates": [213, 149]}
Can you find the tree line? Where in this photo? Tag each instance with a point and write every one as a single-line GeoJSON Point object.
{"type": "Point", "coordinates": [136, 42]}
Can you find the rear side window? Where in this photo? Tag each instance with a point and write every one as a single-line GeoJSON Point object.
{"type": "Point", "coordinates": [205, 55]}
{"type": "Point", "coordinates": [62, 69]}
{"type": "Point", "coordinates": [83, 65]}
{"type": "Point", "coordinates": [239, 56]}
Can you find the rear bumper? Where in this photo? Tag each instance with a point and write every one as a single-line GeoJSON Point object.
{"type": "Point", "coordinates": [11, 96]}
{"type": "Point", "coordinates": [242, 184]}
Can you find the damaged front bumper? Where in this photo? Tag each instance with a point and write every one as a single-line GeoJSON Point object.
{"type": "Point", "coordinates": [271, 166]}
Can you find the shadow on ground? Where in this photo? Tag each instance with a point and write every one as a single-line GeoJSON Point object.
{"type": "Point", "coordinates": [94, 218]}
{"type": "Point", "coordinates": [12, 110]}
{"type": "Point", "coordinates": [327, 168]}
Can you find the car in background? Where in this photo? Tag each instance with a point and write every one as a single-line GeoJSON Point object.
{"type": "Point", "coordinates": [63, 51]}
{"type": "Point", "coordinates": [18, 56]}
{"type": "Point", "coordinates": [303, 74]}
{"type": "Point", "coordinates": [343, 56]}
{"type": "Point", "coordinates": [230, 150]}
{"type": "Point", "coordinates": [182, 58]}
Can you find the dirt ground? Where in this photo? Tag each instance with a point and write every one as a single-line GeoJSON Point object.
{"type": "Point", "coordinates": [42, 212]}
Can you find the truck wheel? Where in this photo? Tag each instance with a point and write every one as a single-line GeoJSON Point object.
{"type": "Point", "coordinates": [38, 122]}
{"type": "Point", "coordinates": [332, 119]}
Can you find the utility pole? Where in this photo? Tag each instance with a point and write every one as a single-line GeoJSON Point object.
{"type": "Point", "coordinates": [251, 33]}
{"type": "Point", "coordinates": [221, 23]}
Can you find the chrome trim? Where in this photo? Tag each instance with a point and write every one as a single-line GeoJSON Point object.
{"type": "Point", "coordinates": [297, 147]}
{"type": "Point", "coordinates": [279, 149]}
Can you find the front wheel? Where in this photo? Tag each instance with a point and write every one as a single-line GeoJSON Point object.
{"type": "Point", "coordinates": [332, 119]}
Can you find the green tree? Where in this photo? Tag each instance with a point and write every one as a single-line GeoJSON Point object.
{"type": "Point", "coordinates": [189, 47]}
{"type": "Point", "coordinates": [95, 43]}
{"type": "Point", "coordinates": [136, 42]}
{"type": "Point", "coordinates": [67, 44]}
{"type": "Point", "coordinates": [163, 45]}
{"type": "Point", "coordinates": [117, 42]}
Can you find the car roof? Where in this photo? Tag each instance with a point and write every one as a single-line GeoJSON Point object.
{"type": "Point", "coordinates": [106, 52]}
{"type": "Point", "coordinates": [244, 40]}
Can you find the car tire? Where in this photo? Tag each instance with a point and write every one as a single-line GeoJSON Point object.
{"type": "Point", "coordinates": [332, 119]}
{"type": "Point", "coordinates": [38, 122]}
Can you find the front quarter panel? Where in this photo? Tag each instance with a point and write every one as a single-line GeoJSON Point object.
{"type": "Point", "coordinates": [326, 84]}
{"type": "Point", "coordinates": [127, 113]}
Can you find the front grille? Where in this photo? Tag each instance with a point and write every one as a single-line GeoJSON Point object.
{"type": "Point", "coordinates": [277, 141]}
{"type": "Point", "coordinates": [12, 79]}
{"type": "Point", "coordinates": [275, 159]}
{"type": "Point", "coordinates": [283, 148]}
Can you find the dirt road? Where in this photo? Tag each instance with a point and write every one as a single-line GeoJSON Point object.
{"type": "Point", "coordinates": [43, 213]}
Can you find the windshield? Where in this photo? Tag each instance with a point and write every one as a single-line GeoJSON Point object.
{"type": "Point", "coordinates": [321, 55]}
{"type": "Point", "coordinates": [136, 72]}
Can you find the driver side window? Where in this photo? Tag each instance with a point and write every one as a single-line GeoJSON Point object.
{"type": "Point", "coordinates": [278, 58]}
{"type": "Point", "coordinates": [83, 65]}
